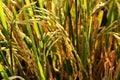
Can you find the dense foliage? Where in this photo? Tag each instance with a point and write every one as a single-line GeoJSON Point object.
{"type": "Point", "coordinates": [60, 39]}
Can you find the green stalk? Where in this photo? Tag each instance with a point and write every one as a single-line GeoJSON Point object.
{"type": "Point", "coordinates": [5, 31]}
{"type": "Point", "coordinates": [65, 14]}
{"type": "Point", "coordinates": [70, 24]}
{"type": "Point", "coordinates": [5, 60]}
{"type": "Point", "coordinates": [2, 18]}
{"type": "Point", "coordinates": [35, 24]}
{"type": "Point", "coordinates": [34, 48]}
{"type": "Point", "coordinates": [77, 46]}
{"type": "Point", "coordinates": [89, 45]}
{"type": "Point", "coordinates": [40, 3]}
{"type": "Point", "coordinates": [3, 73]}
{"type": "Point", "coordinates": [35, 52]}
{"type": "Point", "coordinates": [20, 67]}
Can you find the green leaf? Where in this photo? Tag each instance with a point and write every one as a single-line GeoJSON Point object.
{"type": "Point", "coordinates": [3, 73]}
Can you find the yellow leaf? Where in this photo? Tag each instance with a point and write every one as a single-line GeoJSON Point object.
{"type": "Point", "coordinates": [100, 16]}
{"type": "Point", "coordinates": [117, 36]}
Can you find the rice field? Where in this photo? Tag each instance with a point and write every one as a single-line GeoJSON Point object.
{"type": "Point", "coordinates": [60, 39]}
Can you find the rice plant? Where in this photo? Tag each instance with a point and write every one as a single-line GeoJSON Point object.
{"type": "Point", "coordinates": [60, 39]}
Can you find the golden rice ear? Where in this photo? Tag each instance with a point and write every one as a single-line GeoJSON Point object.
{"type": "Point", "coordinates": [112, 57]}
{"type": "Point", "coordinates": [13, 3]}
{"type": "Point", "coordinates": [117, 36]}
{"type": "Point", "coordinates": [2, 37]}
{"type": "Point", "coordinates": [15, 77]}
{"type": "Point", "coordinates": [99, 6]}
